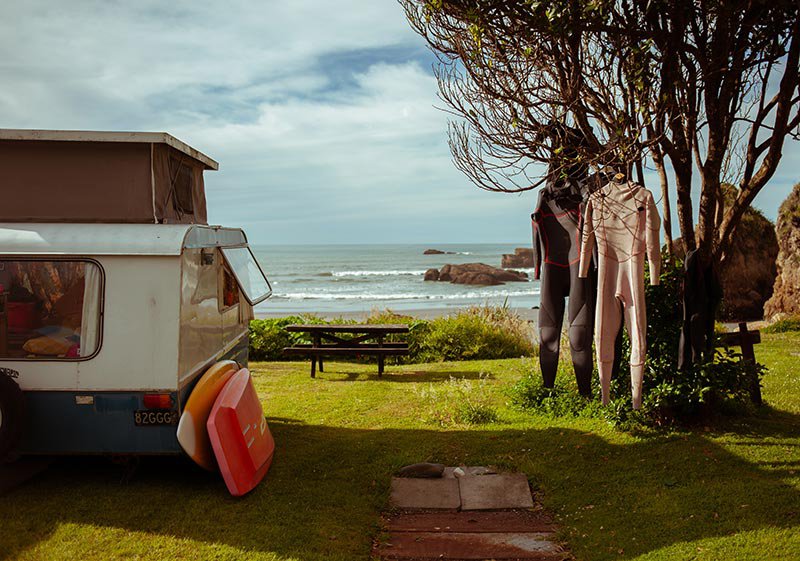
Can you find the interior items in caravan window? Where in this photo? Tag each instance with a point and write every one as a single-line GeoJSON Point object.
{"type": "Point", "coordinates": [51, 308]}
{"type": "Point", "coordinates": [230, 289]}
{"type": "Point", "coordinates": [622, 220]}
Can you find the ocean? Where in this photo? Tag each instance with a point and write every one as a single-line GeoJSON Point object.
{"type": "Point", "coordinates": [346, 279]}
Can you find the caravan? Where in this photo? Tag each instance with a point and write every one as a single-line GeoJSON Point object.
{"type": "Point", "coordinates": [115, 295]}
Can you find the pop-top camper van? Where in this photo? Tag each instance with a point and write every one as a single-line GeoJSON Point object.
{"type": "Point", "coordinates": [115, 294]}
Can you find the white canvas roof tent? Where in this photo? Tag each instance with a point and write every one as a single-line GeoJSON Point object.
{"type": "Point", "coordinates": [89, 176]}
{"type": "Point", "coordinates": [170, 294]}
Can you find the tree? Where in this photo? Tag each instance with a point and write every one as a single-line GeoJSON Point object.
{"type": "Point", "coordinates": [685, 86]}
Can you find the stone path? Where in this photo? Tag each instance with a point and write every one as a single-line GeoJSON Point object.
{"type": "Point", "coordinates": [469, 513]}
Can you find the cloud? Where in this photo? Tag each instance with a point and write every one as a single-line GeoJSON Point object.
{"type": "Point", "coordinates": [321, 113]}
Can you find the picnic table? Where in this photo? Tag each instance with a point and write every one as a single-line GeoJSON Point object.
{"type": "Point", "coordinates": [365, 339]}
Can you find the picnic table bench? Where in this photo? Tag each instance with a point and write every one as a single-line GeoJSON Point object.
{"type": "Point", "coordinates": [365, 339]}
{"type": "Point", "coordinates": [745, 339]}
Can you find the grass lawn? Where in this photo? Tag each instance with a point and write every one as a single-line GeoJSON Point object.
{"type": "Point", "coordinates": [730, 493]}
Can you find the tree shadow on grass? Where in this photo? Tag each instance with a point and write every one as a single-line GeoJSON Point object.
{"type": "Point", "coordinates": [346, 375]}
{"type": "Point", "coordinates": [327, 486]}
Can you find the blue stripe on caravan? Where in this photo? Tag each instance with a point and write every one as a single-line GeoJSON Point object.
{"type": "Point", "coordinates": [57, 424]}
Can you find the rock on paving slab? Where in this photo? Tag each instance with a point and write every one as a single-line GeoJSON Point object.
{"type": "Point", "coordinates": [494, 517]}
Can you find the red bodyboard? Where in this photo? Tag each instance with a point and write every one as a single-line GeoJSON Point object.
{"type": "Point", "coordinates": [240, 437]}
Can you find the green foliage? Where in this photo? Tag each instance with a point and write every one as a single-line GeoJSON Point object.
{"type": "Point", "coordinates": [784, 325]}
{"type": "Point", "coordinates": [458, 401]}
{"type": "Point", "coordinates": [268, 338]}
{"type": "Point", "coordinates": [563, 400]}
{"type": "Point", "coordinates": [479, 332]}
{"type": "Point", "coordinates": [476, 333]}
{"type": "Point", "coordinates": [719, 385]}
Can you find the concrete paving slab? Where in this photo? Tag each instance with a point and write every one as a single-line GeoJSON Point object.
{"type": "Point", "coordinates": [455, 545]}
{"type": "Point", "coordinates": [471, 521]}
{"type": "Point", "coordinates": [495, 492]}
{"type": "Point", "coordinates": [425, 493]}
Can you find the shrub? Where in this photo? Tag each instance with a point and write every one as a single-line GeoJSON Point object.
{"type": "Point", "coordinates": [563, 400]}
{"type": "Point", "coordinates": [718, 385]}
{"type": "Point", "coordinates": [458, 402]}
{"type": "Point", "coordinates": [481, 332]}
{"type": "Point", "coordinates": [784, 325]}
{"type": "Point", "coordinates": [268, 336]}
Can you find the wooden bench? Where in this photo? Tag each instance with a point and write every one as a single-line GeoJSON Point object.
{"type": "Point", "coordinates": [745, 340]}
{"type": "Point", "coordinates": [366, 340]}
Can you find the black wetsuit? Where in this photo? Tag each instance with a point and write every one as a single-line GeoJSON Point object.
{"type": "Point", "coordinates": [702, 294]}
{"type": "Point", "coordinates": [557, 224]}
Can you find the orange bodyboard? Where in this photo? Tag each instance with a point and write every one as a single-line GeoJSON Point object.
{"type": "Point", "coordinates": [192, 430]}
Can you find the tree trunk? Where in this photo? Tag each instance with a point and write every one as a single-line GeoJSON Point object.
{"type": "Point", "coordinates": [658, 161]}
{"type": "Point", "coordinates": [683, 183]}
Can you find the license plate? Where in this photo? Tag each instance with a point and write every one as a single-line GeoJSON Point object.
{"type": "Point", "coordinates": [151, 417]}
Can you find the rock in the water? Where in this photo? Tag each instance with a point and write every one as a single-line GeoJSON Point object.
{"type": "Point", "coordinates": [476, 274]}
{"type": "Point", "coordinates": [522, 257]}
{"type": "Point", "coordinates": [436, 252]}
{"type": "Point", "coordinates": [431, 275]}
{"type": "Point", "coordinates": [422, 470]}
{"type": "Point", "coordinates": [786, 294]}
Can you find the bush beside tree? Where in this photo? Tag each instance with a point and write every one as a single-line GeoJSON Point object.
{"type": "Point", "coordinates": [477, 333]}
{"type": "Point", "coordinates": [719, 385]}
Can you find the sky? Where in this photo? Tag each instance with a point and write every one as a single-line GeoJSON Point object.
{"type": "Point", "coordinates": [323, 115]}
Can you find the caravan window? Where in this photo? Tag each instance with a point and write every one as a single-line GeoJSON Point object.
{"type": "Point", "coordinates": [50, 309]}
{"type": "Point", "coordinates": [249, 275]}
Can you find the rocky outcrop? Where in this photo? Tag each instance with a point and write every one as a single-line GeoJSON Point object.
{"type": "Point", "coordinates": [436, 252]}
{"type": "Point", "coordinates": [475, 274]}
{"type": "Point", "coordinates": [786, 292]}
{"type": "Point", "coordinates": [522, 257]}
{"type": "Point", "coordinates": [749, 271]}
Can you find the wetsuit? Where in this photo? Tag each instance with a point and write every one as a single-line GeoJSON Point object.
{"type": "Point", "coordinates": [702, 294]}
{"type": "Point", "coordinates": [622, 220]}
{"type": "Point", "coordinates": [556, 249]}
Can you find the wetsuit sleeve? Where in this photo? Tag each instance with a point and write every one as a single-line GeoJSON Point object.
{"type": "Point", "coordinates": [653, 239]}
{"type": "Point", "coordinates": [537, 248]}
{"type": "Point", "coordinates": [587, 241]}
{"type": "Point", "coordinates": [538, 242]}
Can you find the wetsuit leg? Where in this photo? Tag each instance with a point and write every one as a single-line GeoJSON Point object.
{"type": "Point", "coordinates": [581, 323]}
{"type": "Point", "coordinates": [607, 323]}
{"type": "Point", "coordinates": [616, 369]}
{"type": "Point", "coordinates": [551, 317]}
{"type": "Point", "coordinates": [636, 323]}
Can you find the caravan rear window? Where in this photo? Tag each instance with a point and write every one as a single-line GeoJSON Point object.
{"type": "Point", "coordinates": [249, 276]}
{"type": "Point", "coordinates": [50, 309]}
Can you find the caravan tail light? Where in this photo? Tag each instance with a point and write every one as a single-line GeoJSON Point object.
{"type": "Point", "coordinates": [158, 401]}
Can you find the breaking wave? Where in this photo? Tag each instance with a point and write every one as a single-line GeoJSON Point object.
{"type": "Point", "coordinates": [402, 296]}
{"type": "Point", "coordinates": [377, 273]}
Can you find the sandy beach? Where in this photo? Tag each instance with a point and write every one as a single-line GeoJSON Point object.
{"type": "Point", "coordinates": [529, 314]}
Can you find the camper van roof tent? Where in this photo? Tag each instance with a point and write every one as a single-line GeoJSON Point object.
{"type": "Point", "coordinates": [109, 136]}
{"type": "Point", "coordinates": [101, 177]}
{"type": "Point", "coordinates": [113, 239]}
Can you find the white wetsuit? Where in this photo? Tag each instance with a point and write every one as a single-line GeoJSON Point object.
{"type": "Point", "coordinates": [622, 219]}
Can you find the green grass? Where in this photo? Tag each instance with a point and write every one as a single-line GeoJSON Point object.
{"type": "Point", "coordinates": [729, 492]}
